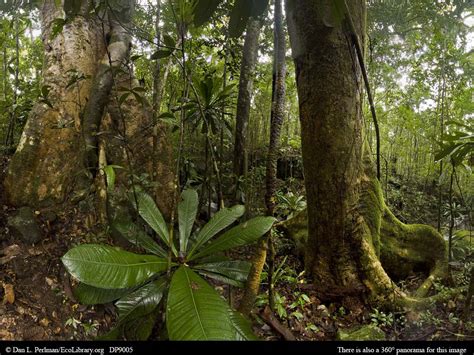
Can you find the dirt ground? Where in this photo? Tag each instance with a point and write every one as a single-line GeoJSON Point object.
{"type": "Point", "coordinates": [36, 296]}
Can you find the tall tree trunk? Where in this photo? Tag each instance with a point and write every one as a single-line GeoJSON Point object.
{"type": "Point", "coordinates": [46, 167]}
{"type": "Point", "coordinates": [278, 107]}
{"type": "Point", "coordinates": [5, 83]}
{"type": "Point", "coordinates": [162, 154]}
{"type": "Point", "coordinates": [331, 128]}
{"type": "Point", "coordinates": [157, 87]}
{"type": "Point", "coordinates": [349, 227]}
{"type": "Point", "coordinates": [249, 60]}
{"type": "Point", "coordinates": [59, 145]}
{"type": "Point", "coordinates": [451, 211]}
{"type": "Point", "coordinates": [276, 120]}
{"type": "Point", "coordinates": [157, 82]}
{"type": "Point", "coordinates": [441, 137]}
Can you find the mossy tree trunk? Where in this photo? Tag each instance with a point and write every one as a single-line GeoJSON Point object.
{"type": "Point", "coordinates": [346, 211]}
{"type": "Point", "coordinates": [47, 165]}
{"type": "Point", "coordinates": [86, 70]}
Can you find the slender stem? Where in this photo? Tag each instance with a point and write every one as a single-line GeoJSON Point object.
{"type": "Point", "coordinates": [466, 205]}
{"type": "Point", "coordinates": [182, 33]}
{"type": "Point", "coordinates": [221, 149]}
{"type": "Point", "coordinates": [441, 165]}
{"type": "Point", "coordinates": [451, 213]}
{"type": "Point", "coordinates": [206, 124]}
{"type": "Point", "coordinates": [156, 101]}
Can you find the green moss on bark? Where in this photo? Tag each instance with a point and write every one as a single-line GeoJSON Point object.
{"type": "Point", "coordinates": [371, 208]}
{"type": "Point", "coordinates": [388, 247]}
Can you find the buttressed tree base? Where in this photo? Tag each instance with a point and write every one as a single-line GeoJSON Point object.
{"type": "Point", "coordinates": [82, 124]}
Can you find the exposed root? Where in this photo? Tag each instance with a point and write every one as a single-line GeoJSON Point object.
{"type": "Point", "coordinates": [420, 303]}
{"type": "Point", "coordinates": [386, 249]}
{"type": "Point", "coordinates": [268, 316]}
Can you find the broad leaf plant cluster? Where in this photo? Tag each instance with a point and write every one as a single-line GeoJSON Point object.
{"type": "Point", "coordinates": [170, 276]}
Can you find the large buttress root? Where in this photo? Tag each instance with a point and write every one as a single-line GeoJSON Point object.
{"type": "Point", "coordinates": [387, 248]}
{"type": "Point", "coordinates": [410, 248]}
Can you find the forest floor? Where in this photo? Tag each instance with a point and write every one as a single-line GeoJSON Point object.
{"type": "Point", "coordinates": [38, 301]}
{"type": "Point", "coordinates": [299, 309]}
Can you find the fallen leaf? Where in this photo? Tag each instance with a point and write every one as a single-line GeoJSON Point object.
{"type": "Point", "coordinates": [11, 250]}
{"type": "Point", "coordinates": [6, 335]}
{"type": "Point", "coordinates": [33, 251]}
{"type": "Point", "coordinates": [51, 283]}
{"type": "Point", "coordinates": [9, 296]}
{"type": "Point", "coordinates": [10, 253]}
{"type": "Point", "coordinates": [44, 322]}
{"type": "Point", "coordinates": [412, 316]}
{"type": "Point", "coordinates": [6, 259]}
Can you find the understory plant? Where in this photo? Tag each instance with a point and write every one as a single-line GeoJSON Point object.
{"type": "Point", "coordinates": [167, 282]}
{"type": "Point", "coordinates": [290, 204]}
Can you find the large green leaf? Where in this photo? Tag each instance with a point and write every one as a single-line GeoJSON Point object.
{"type": "Point", "coordinates": [221, 278]}
{"type": "Point", "coordinates": [446, 151]}
{"type": "Point", "coordinates": [108, 267]}
{"type": "Point", "coordinates": [140, 328]}
{"type": "Point", "coordinates": [169, 41]}
{"type": "Point", "coordinates": [195, 311]}
{"type": "Point", "coordinates": [234, 272]}
{"type": "Point", "coordinates": [187, 210]}
{"type": "Point", "coordinates": [137, 312]}
{"type": "Point", "coordinates": [161, 53]}
{"type": "Point", "coordinates": [258, 7]}
{"type": "Point", "coordinates": [113, 334]}
{"type": "Point", "coordinates": [221, 220]}
{"type": "Point", "coordinates": [110, 175]}
{"type": "Point", "coordinates": [243, 234]}
{"type": "Point", "coordinates": [152, 215]}
{"type": "Point", "coordinates": [203, 10]}
{"type": "Point", "coordinates": [89, 295]}
{"type": "Point", "coordinates": [142, 301]}
{"type": "Point", "coordinates": [138, 237]}
{"type": "Point", "coordinates": [242, 11]}
{"type": "Point", "coordinates": [239, 16]}
{"type": "Point", "coordinates": [242, 326]}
